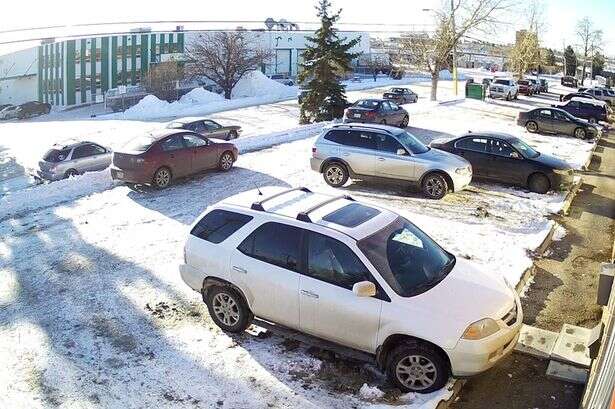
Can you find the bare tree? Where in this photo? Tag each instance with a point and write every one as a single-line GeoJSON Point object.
{"type": "Point", "coordinates": [591, 41]}
{"type": "Point", "coordinates": [161, 80]}
{"type": "Point", "coordinates": [526, 52]}
{"type": "Point", "coordinates": [432, 51]}
{"type": "Point", "coordinates": [224, 57]}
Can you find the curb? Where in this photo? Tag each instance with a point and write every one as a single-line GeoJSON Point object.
{"type": "Point", "coordinates": [570, 196]}
{"type": "Point", "coordinates": [589, 160]}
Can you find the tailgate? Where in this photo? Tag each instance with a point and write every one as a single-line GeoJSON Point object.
{"type": "Point", "coordinates": [125, 160]}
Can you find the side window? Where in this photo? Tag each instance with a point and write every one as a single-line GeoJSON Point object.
{"type": "Point", "coordinates": [388, 144]}
{"type": "Point", "coordinates": [545, 113]}
{"type": "Point", "coordinates": [560, 117]}
{"type": "Point", "coordinates": [211, 125]}
{"type": "Point", "coordinates": [274, 243]}
{"type": "Point", "coordinates": [385, 106]}
{"type": "Point", "coordinates": [98, 150]}
{"type": "Point", "coordinates": [83, 151]}
{"type": "Point", "coordinates": [364, 140]}
{"type": "Point", "coordinates": [218, 225]}
{"type": "Point", "coordinates": [338, 136]}
{"type": "Point", "coordinates": [193, 141]}
{"type": "Point", "coordinates": [197, 126]}
{"type": "Point", "coordinates": [333, 262]}
{"type": "Point", "coordinates": [393, 105]}
{"type": "Point", "coordinates": [173, 143]}
{"type": "Point", "coordinates": [472, 144]}
{"type": "Point", "coordinates": [501, 148]}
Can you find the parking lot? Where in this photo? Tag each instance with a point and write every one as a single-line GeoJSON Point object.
{"type": "Point", "coordinates": [93, 308]}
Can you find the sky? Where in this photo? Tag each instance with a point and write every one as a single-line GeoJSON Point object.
{"type": "Point", "coordinates": [560, 16]}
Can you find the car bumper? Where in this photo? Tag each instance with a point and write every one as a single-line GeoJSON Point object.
{"type": "Point", "coordinates": [191, 276]}
{"type": "Point", "coordinates": [316, 164]}
{"type": "Point", "coordinates": [47, 175]}
{"type": "Point", "coordinates": [497, 94]}
{"type": "Point", "coordinates": [130, 176]}
{"type": "Point", "coordinates": [473, 357]}
{"type": "Point", "coordinates": [461, 181]}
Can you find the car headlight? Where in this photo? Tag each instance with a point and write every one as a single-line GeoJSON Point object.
{"type": "Point", "coordinates": [481, 329]}
{"type": "Point", "coordinates": [463, 171]}
{"type": "Point", "coordinates": [564, 172]}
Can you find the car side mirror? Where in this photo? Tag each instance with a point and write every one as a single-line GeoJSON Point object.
{"type": "Point", "coordinates": [401, 152]}
{"type": "Point", "coordinates": [364, 289]}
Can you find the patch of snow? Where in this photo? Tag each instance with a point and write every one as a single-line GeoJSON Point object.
{"type": "Point", "coordinates": [559, 233]}
{"type": "Point", "coordinates": [370, 392]}
{"type": "Point", "coordinates": [257, 84]}
{"type": "Point", "coordinates": [200, 96]}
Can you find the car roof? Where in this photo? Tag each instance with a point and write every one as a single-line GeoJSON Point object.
{"type": "Point", "coordinates": [371, 127]}
{"type": "Point", "coordinates": [158, 134]}
{"type": "Point", "coordinates": [589, 101]}
{"type": "Point", "coordinates": [291, 204]}
{"type": "Point", "coordinates": [69, 143]}
{"type": "Point", "coordinates": [500, 135]}
{"type": "Point", "coordinates": [189, 119]}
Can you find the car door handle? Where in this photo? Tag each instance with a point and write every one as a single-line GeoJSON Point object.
{"type": "Point", "coordinates": [240, 270]}
{"type": "Point", "coordinates": [381, 159]}
{"type": "Point", "coordinates": [345, 154]}
{"type": "Point", "coordinates": [309, 294]}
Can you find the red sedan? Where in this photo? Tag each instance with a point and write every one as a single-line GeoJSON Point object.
{"type": "Point", "coordinates": [162, 156]}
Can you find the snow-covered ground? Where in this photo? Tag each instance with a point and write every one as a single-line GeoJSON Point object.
{"type": "Point", "coordinates": [93, 311]}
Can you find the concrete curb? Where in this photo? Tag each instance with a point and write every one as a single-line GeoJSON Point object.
{"type": "Point", "coordinates": [589, 160]}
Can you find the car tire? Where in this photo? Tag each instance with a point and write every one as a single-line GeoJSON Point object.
{"type": "Point", "coordinates": [71, 173]}
{"type": "Point", "coordinates": [226, 161]}
{"type": "Point", "coordinates": [416, 366]}
{"type": "Point", "coordinates": [231, 135]}
{"type": "Point", "coordinates": [580, 133]}
{"type": "Point", "coordinates": [508, 98]}
{"type": "Point", "coordinates": [162, 178]}
{"type": "Point", "coordinates": [404, 122]}
{"type": "Point", "coordinates": [532, 127]}
{"type": "Point", "coordinates": [434, 186]}
{"type": "Point", "coordinates": [539, 183]}
{"type": "Point", "coordinates": [228, 309]}
{"type": "Point", "coordinates": [335, 174]}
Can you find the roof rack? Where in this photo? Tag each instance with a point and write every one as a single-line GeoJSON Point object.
{"type": "Point", "coordinates": [259, 205]}
{"type": "Point", "coordinates": [359, 125]}
{"type": "Point", "coordinates": [304, 215]}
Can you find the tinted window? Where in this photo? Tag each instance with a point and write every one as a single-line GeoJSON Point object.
{"type": "Point", "coordinates": [411, 143]}
{"type": "Point", "coordinates": [502, 82]}
{"type": "Point", "coordinates": [274, 243]}
{"type": "Point", "coordinates": [352, 215]}
{"type": "Point", "coordinates": [364, 140]}
{"type": "Point", "coordinates": [217, 225]}
{"type": "Point", "coordinates": [368, 103]}
{"type": "Point", "coordinates": [333, 262]}
{"type": "Point", "coordinates": [389, 144]}
{"type": "Point", "coordinates": [55, 155]}
{"type": "Point", "coordinates": [472, 144]}
{"type": "Point", "coordinates": [192, 141]}
{"type": "Point", "coordinates": [385, 106]}
{"type": "Point", "coordinates": [211, 125]}
{"type": "Point", "coordinates": [501, 148]}
{"type": "Point", "coordinates": [338, 136]}
{"type": "Point", "coordinates": [84, 151]}
{"type": "Point", "coordinates": [561, 116]}
{"type": "Point", "coordinates": [172, 144]}
{"type": "Point", "coordinates": [409, 260]}
{"type": "Point", "coordinates": [545, 113]}
{"type": "Point", "coordinates": [197, 126]}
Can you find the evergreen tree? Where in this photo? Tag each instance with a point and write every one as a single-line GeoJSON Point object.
{"type": "Point", "coordinates": [549, 57]}
{"type": "Point", "coordinates": [597, 64]}
{"type": "Point", "coordinates": [325, 60]}
{"type": "Point", "coordinates": [570, 61]}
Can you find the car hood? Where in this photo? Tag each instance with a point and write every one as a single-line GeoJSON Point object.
{"type": "Point", "coordinates": [552, 161]}
{"type": "Point", "coordinates": [468, 294]}
{"type": "Point", "coordinates": [445, 158]}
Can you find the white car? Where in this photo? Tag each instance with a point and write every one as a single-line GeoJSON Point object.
{"type": "Point", "coordinates": [504, 88]}
{"type": "Point", "coordinates": [10, 112]}
{"type": "Point", "coordinates": [355, 274]}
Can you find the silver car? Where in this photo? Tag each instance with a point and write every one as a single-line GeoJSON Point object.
{"type": "Point", "coordinates": [72, 158]}
{"type": "Point", "coordinates": [385, 153]}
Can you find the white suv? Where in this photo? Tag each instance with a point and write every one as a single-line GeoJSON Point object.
{"type": "Point", "coordinates": [504, 88]}
{"type": "Point", "coordinates": [354, 274]}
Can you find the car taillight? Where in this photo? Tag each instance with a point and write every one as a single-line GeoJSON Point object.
{"type": "Point", "coordinates": [313, 150]}
{"type": "Point", "coordinates": [370, 114]}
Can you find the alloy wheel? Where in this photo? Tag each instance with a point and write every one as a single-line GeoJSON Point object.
{"type": "Point", "coordinates": [226, 161]}
{"type": "Point", "coordinates": [580, 133]}
{"type": "Point", "coordinates": [416, 372]}
{"type": "Point", "coordinates": [226, 309]}
{"type": "Point", "coordinates": [532, 127]}
{"type": "Point", "coordinates": [434, 186]}
{"type": "Point", "coordinates": [334, 175]}
{"type": "Point", "coordinates": [162, 178]}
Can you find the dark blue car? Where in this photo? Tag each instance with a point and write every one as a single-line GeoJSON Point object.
{"type": "Point", "coordinates": [591, 110]}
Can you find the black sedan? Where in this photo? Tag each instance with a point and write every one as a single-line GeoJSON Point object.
{"type": "Point", "coordinates": [401, 95]}
{"type": "Point", "coordinates": [503, 158]}
{"type": "Point", "coordinates": [554, 120]}
{"type": "Point", "coordinates": [377, 111]}
{"type": "Point", "coordinates": [206, 127]}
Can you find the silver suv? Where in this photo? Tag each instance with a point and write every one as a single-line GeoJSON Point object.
{"type": "Point", "coordinates": [385, 153]}
{"type": "Point", "coordinates": [72, 158]}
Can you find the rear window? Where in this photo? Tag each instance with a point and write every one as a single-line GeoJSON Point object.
{"type": "Point", "coordinates": [523, 82]}
{"type": "Point", "coordinates": [367, 103]}
{"type": "Point", "coordinates": [218, 225]}
{"type": "Point", "coordinates": [56, 155]}
{"type": "Point", "coordinates": [139, 144]}
{"type": "Point", "coordinates": [352, 215]}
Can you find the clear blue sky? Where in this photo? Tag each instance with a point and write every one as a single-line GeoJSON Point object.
{"type": "Point", "coordinates": [560, 15]}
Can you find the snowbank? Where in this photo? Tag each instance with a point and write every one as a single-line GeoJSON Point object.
{"type": "Point", "coordinates": [257, 84]}
{"type": "Point", "coordinates": [200, 96]}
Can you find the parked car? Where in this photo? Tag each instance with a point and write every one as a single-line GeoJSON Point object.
{"type": "Point", "coordinates": [377, 111]}
{"type": "Point", "coordinates": [282, 79]}
{"type": "Point", "coordinates": [358, 275]}
{"type": "Point", "coordinates": [504, 88]}
{"type": "Point", "coordinates": [535, 85]}
{"type": "Point", "coordinates": [33, 108]}
{"type": "Point", "coordinates": [525, 87]}
{"type": "Point", "coordinates": [507, 159]}
{"type": "Point", "coordinates": [71, 158]}
{"type": "Point", "coordinates": [543, 85]}
{"type": "Point", "coordinates": [585, 108]}
{"type": "Point", "coordinates": [601, 94]}
{"type": "Point", "coordinates": [554, 120]}
{"type": "Point", "coordinates": [569, 81]}
{"type": "Point", "coordinates": [386, 154]}
{"type": "Point", "coordinates": [576, 94]}
{"type": "Point", "coordinates": [206, 127]}
{"type": "Point", "coordinates": [165, 155]}
{"type": "Point", "coordinates": [2, 106]}
{"type": "Point", "coordinates": [401, 95]}
{"type": "Point", "coordinates": [10, 112]}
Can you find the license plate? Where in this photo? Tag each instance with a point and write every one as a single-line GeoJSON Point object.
{"type": "Point", "coordinates": [119, 174]}
{"type": "Point", "coordinates": [357, 115]}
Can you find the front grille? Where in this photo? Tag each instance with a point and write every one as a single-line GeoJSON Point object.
{"type": "Point", "coordinates": [511, 316]}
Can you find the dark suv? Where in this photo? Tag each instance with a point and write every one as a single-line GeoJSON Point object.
{"type": "Point", "coordinates": [570, 81]}
{"type": "Point", "coordinates": [591, 110]}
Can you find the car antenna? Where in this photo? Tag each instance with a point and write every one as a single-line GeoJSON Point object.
{"type": "Point", "coordinates": [259, 191]}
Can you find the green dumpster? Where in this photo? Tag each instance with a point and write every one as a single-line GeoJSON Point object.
{"type": "Point", "coordinates": [475, 91]}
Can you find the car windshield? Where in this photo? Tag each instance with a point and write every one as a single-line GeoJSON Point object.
{"type": "Point", "coordinates": [526, 150]}
{"type": "Point", "coordinates": [408, 259]}
{"type": "Point", "coordinates": [411, 143]}
{"type": "Point", "coordinates": [139, 144]}
{"type": "Point", "coordinates": [368, 103]}
{"type": "Point", "coordinates": [503, 82]}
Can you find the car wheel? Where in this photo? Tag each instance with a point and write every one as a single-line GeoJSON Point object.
{"type": "Point", "coordinates": [404, 122]}
{"type": "Point", "coordinates": [228, 309]}
{"type": "Point", "coordinates": [71, 173]}
{"type": "Point", "coordinates": [508, 97]}
{"type": "Point", "coordinates": [539, 183]}
{"type": "Point", "coordinates": [531, 127]}
{"type": "Point", "coordinates": [593, 120]}
{"type": "Point", "coordinates": [231, 135]}
{"type": "Point", "coordinates": [383, 122]}
{"type": "Point", "coordinates": [162, 178]}
{"type": "Point", "coordinates": [226, 161]}
{"type": "Point", "coordinates": [434, 186]}
{"type": "Point", "coordinates": [417, 367]}
{"type": "Point", "coordinates": [580, 133]}
{"type": "Point", "coordinates": [335, 174]}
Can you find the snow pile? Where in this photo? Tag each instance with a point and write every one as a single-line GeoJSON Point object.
{"type": "Point", "coordinates": [370, 392]}
{"type": "Point", "coordinates": [200, 96]}
{"type": "Point", "coordinates": [559, 232]}
{"type": "Point", "coordinates": [257, 84]}
{"type": "Point", "coordinates": [447, 75]}
{"type": "Point", "coordinates": [148, 107]}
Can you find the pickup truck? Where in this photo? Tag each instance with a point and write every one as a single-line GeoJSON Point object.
{"type": "Point", "coordinates": [504, 88]}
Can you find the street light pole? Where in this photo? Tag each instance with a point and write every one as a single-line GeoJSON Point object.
{"type": "Point", "coordinates": [454, 48]}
